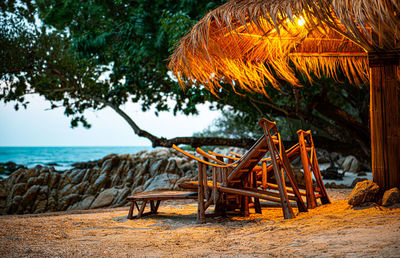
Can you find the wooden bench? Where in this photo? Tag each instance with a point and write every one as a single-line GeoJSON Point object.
{"type": "Point", "coordinates": [155, 198]}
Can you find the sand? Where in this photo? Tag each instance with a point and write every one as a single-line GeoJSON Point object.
{"type": "Point", "coordinates": [335, 229]}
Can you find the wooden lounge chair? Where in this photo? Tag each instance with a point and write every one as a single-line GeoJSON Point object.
{"type": "Point", "coordinates": [237, 178]}
{"type": "Point", "coordinates": [306, 150]}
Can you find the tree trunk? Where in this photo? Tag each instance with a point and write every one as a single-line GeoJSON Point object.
{"type": "Point", "coordinates": [385, 123]}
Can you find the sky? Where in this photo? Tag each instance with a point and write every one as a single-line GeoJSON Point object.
{"type": "Point", "coordinates": [39, 126]}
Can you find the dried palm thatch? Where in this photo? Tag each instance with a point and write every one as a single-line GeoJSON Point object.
{"type": "Point", "coordinates": [247, 43]}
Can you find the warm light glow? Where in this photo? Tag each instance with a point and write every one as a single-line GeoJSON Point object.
{"type": "Point", "coordinates": [301, 21]}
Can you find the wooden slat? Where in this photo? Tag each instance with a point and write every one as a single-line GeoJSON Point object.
{"type": "Point", "coordinates": [269, 193]}
{"type": "Point", "coordinates": [248, 193]}
{"type": "Point", "coordinates": [163, 195]}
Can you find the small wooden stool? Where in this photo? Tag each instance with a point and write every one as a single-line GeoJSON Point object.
{"type": "Point", "coordinates": [155, 198]}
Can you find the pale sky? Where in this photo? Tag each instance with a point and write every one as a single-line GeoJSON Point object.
{"type": "Point", "coordinates": [36, 126]}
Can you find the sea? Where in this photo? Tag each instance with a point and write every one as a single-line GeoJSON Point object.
{"type": "Point", "coordinates": [62, 158]}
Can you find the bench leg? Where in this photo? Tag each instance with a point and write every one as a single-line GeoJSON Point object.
{"type": "Point", "coordinates": [141, 210]}
{"type": "Point", "coordinates": [131, 210]}
{"type": "Point", "coordinates": [154, 206]}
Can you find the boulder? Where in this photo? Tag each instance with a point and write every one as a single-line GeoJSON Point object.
{"type": "Point", "coordinates": [30, 196]}
{"type": "Point", "coordinates": [363, 193]}
{"type": "Point", "coordinates": [77, 176]}
{"type": "Point", "coordinates": [333, 185]}
{"type": "Point", "coordinates": [101, 182]}
{"type": "Point", "coordinates": [332, 172]}
{"type": "Point", "coordinates": [120, 199]}
{"type": "Point", "coordinates": [68, 200]}
{"type": "Point", "coordinates": [52, 201]}
{"type": "Point", "coordinates": [14, 204]}
{"type": "Point", "coordinates": [323, 156]}
{"type": "Point", "coordinates": [158, 167]}
{"type": "Point", "coordinates": [351, 164]}
{"type": "Point", "coordinates": [82, 205]}
{"type": "Point", "coordinates": [105, 198]}
{"type": "Point", "coordinates": [358, 179]}
{"type": "Point", "coordinates": [391, 197]}
{"type": "Point", "coordinates": [164, 181]}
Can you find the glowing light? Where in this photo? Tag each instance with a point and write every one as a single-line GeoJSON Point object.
{"type": "Point", "coordinates": [301, 21]}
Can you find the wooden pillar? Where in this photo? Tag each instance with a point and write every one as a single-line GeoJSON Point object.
{"type": "Point", "coordinates": [201, 216]}
{"type": "Point", "coordinates": [385, 119]}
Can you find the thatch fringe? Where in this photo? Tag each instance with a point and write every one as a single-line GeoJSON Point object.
{"type": "Point", "coordinates": [253, 42]}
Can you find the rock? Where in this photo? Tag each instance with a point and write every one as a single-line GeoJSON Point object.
{"type": "Point", "coordinates": [84, 204]}
{"type": "Point", "coordinates": [351, 164]}
{"type": "Point", "coordinates": [30, 196]}
{"type": "Point", "coordinates": [333, 185]}
{"type": "Point", "coordinates": [363, 193]}
{"type": "Point", "coordinates": [18, 189]}
{"type": "Point", "coordinates": [54, 180]}
{"type": "Point", "coordinates": [107, 165]}
{"type": "Point", "coordinates": [52, 201]}
{"type": "Point", "coordinates": [138, 189]}
{"type": "Point", "coordinates": [332, 172]}
{"type": "Point", "coordinates": [66, 190]}
{"type": "Point", "coordinates": [335, 156]}
{"type": "Point", "coordinates": [391, 197]}
{"type": "Point", "coordinates": [85, 165]}
{"type": "Point", "coordinates": [14, 205]}
{"type": "Point", "coordinates": [101, 182]}
{"type": "Point", "coordinates": [164, 181]}
{"type": "Point", "coordinates": [158, 167]}
{"type": "Point", "coordinates": [77, 176]}
{"type": "Point", "coordinates": [358, 179]}
{"type": "Point", "coordinates": [323, 156]}
{"type": "Point", "coordinates": [161, 153]}
{"type": "Point", "coordinates": [120, 199]}
{"type": "Point", "coordinates": [299, 176]}
{"type": "Point", "coordinates": [105, 198]}
{"type": "Point", "coordinates": [184, 179]}
{"type": "Point", "coordinates": [9, 167]}
{"type": "Point", "coordinates": [68, 200]}
{"type": "Point", "coordinates": [188, 166]}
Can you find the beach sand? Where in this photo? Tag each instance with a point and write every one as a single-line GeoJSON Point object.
{"type": "Point", "coordinates": [335, 229]}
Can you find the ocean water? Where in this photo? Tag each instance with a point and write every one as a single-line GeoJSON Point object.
{"type": "Point", "coordinates": [62, 158]}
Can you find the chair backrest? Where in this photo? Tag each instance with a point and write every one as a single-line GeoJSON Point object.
{"type": "Point", "coordinates": [246, 163]}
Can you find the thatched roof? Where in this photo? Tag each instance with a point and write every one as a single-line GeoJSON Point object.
{"type": "Point", "coordinates": [247, 43]}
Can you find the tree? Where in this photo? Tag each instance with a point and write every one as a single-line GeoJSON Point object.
{"type": "Point", "coordinates": [63, 58]}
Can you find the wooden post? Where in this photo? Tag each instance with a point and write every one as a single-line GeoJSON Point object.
{"type": "Point", "coordinates": [385, 119]}
{"type": "Point", "coordinates": [201, 216]}
{"type": "Point", "coordinates": [244, 208]}
{"type": "Point", "coordinates": [310, 197]}
{"type": "Point", "coordinates": [257, 204]}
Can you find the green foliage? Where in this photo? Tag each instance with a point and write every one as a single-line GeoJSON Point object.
{"type": "Point", "coordinates": [63, 57]}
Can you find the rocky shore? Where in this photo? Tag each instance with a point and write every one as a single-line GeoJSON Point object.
{"type": "Point", "coordinates": [107, 182]}
{"type": "Point", "coordinates": [102, 183]}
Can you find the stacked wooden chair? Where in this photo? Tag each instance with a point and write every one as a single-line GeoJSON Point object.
{"type": "Point", "coordinates": [242, 180]}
